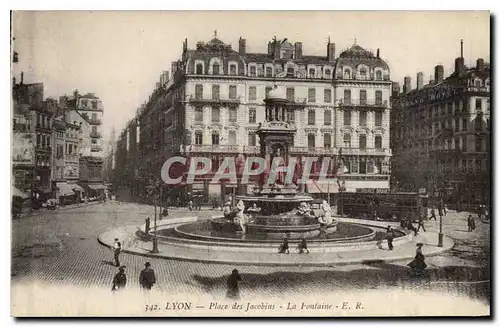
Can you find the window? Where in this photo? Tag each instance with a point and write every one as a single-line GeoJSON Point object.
{"type": "Point", "coordinates": [312, 72]}
{"type": "Point", "coordinates": [269, 71]}
{"type": "Point", "coordinates": [362, 141]}
{"type": "Point", "coordinates": [268, 89]}
{"type": "Point", "coordinates": [252, 93]}
{"type": "Point", "coordinates": [464, 124]}
{"type": "Point", "coordinates": [378, 98]}
{"type": "Point", "coordinates": [479, 165]}
{"type": "Point", "coordinates": [378, 75]}
{"type": "Point", "coordinates": [311, 117]}
{"type": "Point", "coordinates": [70, 149]}
{"type": "Point", "coordinates": [198, 138]}
{"type": "Point", "coordinates": [327, 117]}
{"type": "Point", "coordinates": [311, 140]}
{"type": "Point", "coordinates": [328, 96]}
{"type": "Point", "coordinates": [378, 119]}
{"type": "Point", "coordinates": [290, 116]}
{"type": "Point", "coordinates": [290, 94]}
{"type": "Point", "coordinates": [369, 166]}
{"type": "Point", "coordinates": [231, 137]}
{"type": "Point", "coordinates": [477, 83]}
{"type": "Point", "coordinates": [347, 118]}
{"type": "Point", "coordinates": [362, 73]}
{"type": "Point", "coordinates": [450, 108]}
{"type": "Point", "coordinates": [479, 144]}
{"type": "Point", "coordinates": [215, 138]}
{"type": "Point", "coordinates": [327, 140]}
{"type": "Point", "coordinates": [311, 95]}
{"type": "Point", "coordinates": [290, 72]}
{"type": "Point", "coordinates": [198, 91]}
{"type": "Point", "coordinates": [478, 123]}
{"type": "Point", "coordinates": [479, 103]}
{"type": "Point", "coordinates": [252, 115]}
{"type": "Point", "coordinates": [94, 129]}
{"type": "Point", "coordinates": [347, 74]}
{"type": "Point", "coordinates": [59, 151]}
{"type": "Point", "coordinates": [347, 140]}
{"type": "Point", "coordinates": [85, 103]}
{"type": "Point", "coordinates": [457, 125]}
{"type": "Point", "coordinates": [347, 96]}
{"type": "Point", "coordinates": [362, 118]}
{"type": "Point", "coordinates": [216, 69]}
{"type": "Point", "coordinates": [232, 92]}
{"type": "Point", "coordinates": [215, 92]}
{"type": "Point", "coordinates": [232, 69]}
{"type": "Point", "coordinates": [327, 73]}
{"type": "Point", "coordinates": [198, 114]}
{"type": "Point", "coordinates": [199, 69]}
{"type": "Point", "coordinates": [252, 139]}
{"type": "Point", "coordinates": [362, 97]}
{"type": "Point", "coordinates": [215, 114]}
{"type": "Point", "coordinates": [94, 117]}
{"type": "Point", "coordinates": [94, 104]}
{"type": "Point", "coordinates": [378, 142]}
{"type": "Point", "coordinates": [253, 71]}
{"type": "Point", "coordinates": [233, 115]}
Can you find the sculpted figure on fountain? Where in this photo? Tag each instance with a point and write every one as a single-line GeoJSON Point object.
{"type": "Point", "coordinates": [325, 217]}
{"type": "Point", "coordinates": [240, 219]}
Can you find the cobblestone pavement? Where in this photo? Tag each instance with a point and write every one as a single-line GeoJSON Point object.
{"type": "Point", "coordinates": [61, 247]}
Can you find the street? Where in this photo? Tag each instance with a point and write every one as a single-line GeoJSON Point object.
{"type": "Point", "coordinates": [56, 247]}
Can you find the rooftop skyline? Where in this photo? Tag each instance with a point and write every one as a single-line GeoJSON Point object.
{"type": "Point", "coordinates": [119, 56]}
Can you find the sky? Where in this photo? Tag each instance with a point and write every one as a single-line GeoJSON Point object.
{"type": "Point", "coordinates": [119, 55]}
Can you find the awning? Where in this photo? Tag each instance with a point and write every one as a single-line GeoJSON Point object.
{"type": "Point", "coordinates": [322, 187]}
{"type": "Point", "coordinates": [64, 189]}
{"type": "Point", "coordinates": [76, 187]}
{"type": "Point", "coordinates": [97, 186]}
{"type": "Point", "coordinates": [17, 192]}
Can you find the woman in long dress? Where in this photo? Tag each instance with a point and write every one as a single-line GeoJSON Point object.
{"type": "Point", "coordinates": [418, 264]}
{"type": "Point", "coordinates": [233, 289]}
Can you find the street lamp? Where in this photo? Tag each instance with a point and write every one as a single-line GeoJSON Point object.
{"type": "Point", "coordinates": [154, 190]}
{"type": "Point", "coordinates": [440, 210]}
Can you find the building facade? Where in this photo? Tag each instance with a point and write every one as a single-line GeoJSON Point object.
{"type": "Point", "coordinates": [214, 101]}
{"type": "Point", "coordinates": [441, 133]}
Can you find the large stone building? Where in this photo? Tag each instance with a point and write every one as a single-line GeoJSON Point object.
{"type": "Point", "coordinates": [214, 101]}
{"type": "Point", "coordinates": [441, 132]}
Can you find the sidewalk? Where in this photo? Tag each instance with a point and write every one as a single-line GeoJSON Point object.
{"type": "Point", "coordinates": [214, 254]}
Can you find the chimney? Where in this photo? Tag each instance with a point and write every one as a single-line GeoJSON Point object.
{"type": "Point", "coordinates": [480, 64]}
{"type": "Point", "coordinates": [22, 77]}
{"type": "Point", "coordinates": [75, 94]}
{"type": "Point", "coordinates": [298, 50]}
{"type": "Point", "coordinates": [420, 80]}
{"type": "Point", "coordinates": [330, 51]}
{"type": "Point", "coordinates": [378, 53]}
{"type": "Point", "coordinates": [395, 89]}
{"type": "Point", "coordinates": [439, 73]}
{"type": "Point", "coordinates": [407, 85]}
{"type": "Point", "coordinates": [277, 48]}
{"type": "Point", "coordinates": [242, 46]}
{"type": "Point", "coordinates": [459, 65]}
{"type": "Point", "coordinates": [173, 67]}
{"type": "Point", "coordinates": [270, 48]}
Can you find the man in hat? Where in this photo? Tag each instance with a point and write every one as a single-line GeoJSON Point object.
{"type": "Point", "coordinates": [389, 235]}
{"type": "Point", "coordinates": [433, 215]}
{"type": "Point", "coordinates": [120, 279]}
{"type": "Point", "coordinates": [147, 277]}
{"type": "Point", "coordinates": [117, 248]}
{"type": "Point", "coordinates": [148, 226]}
{"type": "Point", "coordinates": [421, 223]}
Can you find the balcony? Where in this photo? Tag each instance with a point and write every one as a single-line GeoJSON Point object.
{"type": "Point", "coordinates": [95, 122]}
{"type": "Point", "coordinates": [23, 128]}
{"type": "Point", "coordinates": [195, 148]}
{"type": "Point", "coordinates": [214, 100]}
{"type": "Point", "coordinates": [95, 148]}
{"type": "Point", "coordinates": [363, 103]}
{"type": "Point", "coordinates": [95, 134]}
{"type": "Point", "coordinates": [367, 151]}
{"type": "Point", "coordinates": [297, 102]}
{"type": "Point", "coordinates": [251, 149]}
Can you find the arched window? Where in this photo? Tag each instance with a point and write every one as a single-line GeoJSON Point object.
{"type": "Point", "coordinates": [216, 69]}
{"type": "Point", "coordinates": [232, 137]}
{"type": "Point", "coordinates": [347, 74]}
{"type": "Point", "coordinates": [477, 83]}
{"type": "Point", "coordinates": [362, 73]}
{"type": "Point", "coordinates": [378, 75]}
{"type": "Point", "coordinates": [199, 69]}
{"type": "Point", "coordinates": [290, 72]}
{"type": "Point", "coordinates": [232, 69]}
{"type": "Point", "coordinates": [327, 73]}
{"type": "Point", "coordinates": [347, 140]}
{"type": "Point", "coordinates": [253, 71]}
{"type": "Point", "coordinates": [269, 71]}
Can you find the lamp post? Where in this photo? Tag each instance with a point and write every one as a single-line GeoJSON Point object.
{"type": "Point", "coordinates": [440, 235]}
{"type": "Point", "coordinates": [154, 191]}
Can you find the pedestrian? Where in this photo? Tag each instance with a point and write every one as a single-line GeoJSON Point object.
{"type": "Point", "coordinates": [284, 246]}
{"type": "Point", "coordinates": [433, 215]}
{"type": "Point", "coordinates": [472, 223]}
{"type": "Point", "coordinates": [117, 248]}
{"type": "Point", "coordinates": [303, 246]}
{"type": "Point", "coordinates": [199, 203]}
{"type": "Point", "coordinates": [148, 226]}
{"type": "Point", "coordinates": [120, 279]}
{"type": "Point", "coordinates": [147, 277]}
{"type": "Point", "coordinates": [418, 264]}
{"type": "Point", "coordinates": [233, 289]}
{"type": "Point", "coordinates": [190, 204]}
{"type": "Point", "coordinates": [421, 223]}
{"type": "Point", "coordinates": [444, 209]}
{"type": "Point", "coordinates": [389, 235]}
{"type": "Point", "coordinates": [165, 212]}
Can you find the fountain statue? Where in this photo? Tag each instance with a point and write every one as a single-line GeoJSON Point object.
{"type": "Point", "coordinates": [240, 219]}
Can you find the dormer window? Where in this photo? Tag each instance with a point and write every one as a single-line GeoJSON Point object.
{"type": "Point", "coordinates": [362, 73]}
{"type": "Point", "coordinates": [327, 72]}
{"type": "Point", "coordinates": [478, 83]}
{"type": "Point", "coordinates": [232, 69]}
{"type": "Point", "coordinates": [253, 71]}
{"type": "Point", "coordinates": [199, 69]}
{"type": "Point", "coordinates": [290, 72]}
{"type": "Point", "coordinates": [216, 69]}
{"type": "Point", "coordinates": [347, 74]}
{"type": "Point", "coordinates": [378, 75]}
{"type": "Point", "coordinates": [269, 71]}
{"type": "Point", "coordinates": [312, 72]}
